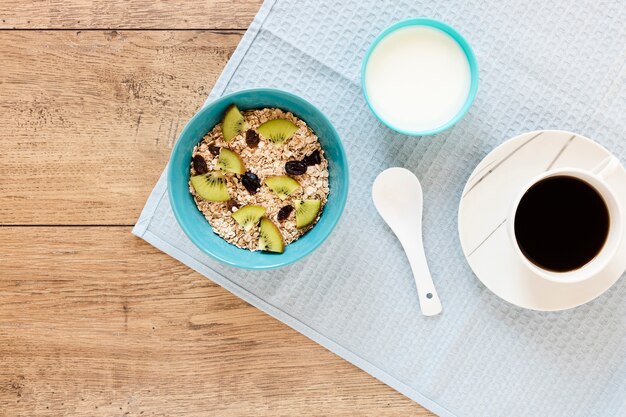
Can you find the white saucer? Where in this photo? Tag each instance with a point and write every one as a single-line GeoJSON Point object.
{"type": "Point", "coordinates": [487, 201]}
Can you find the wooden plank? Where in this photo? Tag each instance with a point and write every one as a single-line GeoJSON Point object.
{"type": "Point", "coordinates": [95, 322]}
{"type": "Point", "coordinates": [89, 118]}
{"type": "Point", "coordinates": [123, 14]}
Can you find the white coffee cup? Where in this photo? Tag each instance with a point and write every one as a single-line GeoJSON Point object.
{"type": "Point", "coordinates": [596, 178]}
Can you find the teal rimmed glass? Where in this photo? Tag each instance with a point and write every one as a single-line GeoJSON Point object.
{"type": "Point", "coordinates": [459, 39]}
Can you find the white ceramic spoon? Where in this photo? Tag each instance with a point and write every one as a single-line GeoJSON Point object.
{"type": "Point", "coordinates": [397, 195]}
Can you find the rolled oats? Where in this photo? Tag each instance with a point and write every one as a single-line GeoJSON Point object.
{"type": "Point", "coordinates": [264, 160]}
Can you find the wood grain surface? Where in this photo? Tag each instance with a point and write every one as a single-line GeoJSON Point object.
{"type": "Point", "coordinates": [124, 14]}
{"type": "Point", "coordinates": [89, 117]}
{"type": "Point", "coordinates": [93, 321]}
{"type": "Point", "coordinates": [87, 329]}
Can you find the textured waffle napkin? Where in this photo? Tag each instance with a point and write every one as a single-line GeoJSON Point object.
{"type": "Point", "coordinates": [543, 64]}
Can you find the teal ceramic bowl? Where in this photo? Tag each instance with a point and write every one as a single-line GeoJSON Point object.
{"type": "Point", "coordinates": [425, 21]}
{"type": "Point", "coordinates": [196, 226]}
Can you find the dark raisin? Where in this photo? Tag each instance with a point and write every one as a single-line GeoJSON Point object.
{"type": "Point", "coordinates": [215, 150]}
{"type": "Point", "coordinates": [313, 159]}
{"type": "Point", "coordinates": [232, 204]}
{"type": "Point", "coordinates": [251, 182]}
{"type": "Point", "coordinates": [199, 164]}
{"type": "Point", "coordinates": [295, 167]}
{"type": "Point", "coordinates": [284, 213]}
{"type": "Point", "coordinates": [252, 138]}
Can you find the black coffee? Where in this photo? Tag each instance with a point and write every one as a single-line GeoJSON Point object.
{"type": "Point", "coordinates": [561, 223]}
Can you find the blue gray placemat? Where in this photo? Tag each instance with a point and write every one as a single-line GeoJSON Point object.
{"type": "Point", "coordinates": [542, 65]}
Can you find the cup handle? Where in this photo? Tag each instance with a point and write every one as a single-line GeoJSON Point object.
{"type": "Point", "coordinates": [606, 167]}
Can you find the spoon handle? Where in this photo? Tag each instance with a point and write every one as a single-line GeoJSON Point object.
{"type": "Point", "coordinates": [429, 300]}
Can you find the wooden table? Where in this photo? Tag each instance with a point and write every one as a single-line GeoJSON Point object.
{"type": "Point", "coordinates": [93, 321]}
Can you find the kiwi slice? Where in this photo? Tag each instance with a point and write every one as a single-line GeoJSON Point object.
{"type": "Point", "coordinates": [306, 212]}
{"type": "Point", "coordinates": [211, 186]}
{"type": "Point", "coordinates": [249, 216]}
{"type": "Point", "coordinates": [229, 161]}
{"type": "Point", "coordinates": [278, 130]}
{"type": "Point", "coordinates": [270, 239]}
{"type": "Point", "coordinates": [233, 123]}
{"type": "Point", "coordinates": [282, 185]}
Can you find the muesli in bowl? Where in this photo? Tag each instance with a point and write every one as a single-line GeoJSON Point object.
{"type": "Point", "coordinates": [260, 178]}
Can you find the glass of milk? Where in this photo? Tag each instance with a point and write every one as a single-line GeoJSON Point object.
{"type": "Point", "coordinates": [419, 76]}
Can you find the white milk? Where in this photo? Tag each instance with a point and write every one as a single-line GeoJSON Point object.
{"type": "Point", "coordinates": [417, 78]}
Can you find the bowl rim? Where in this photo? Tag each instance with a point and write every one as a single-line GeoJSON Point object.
{"type": "Point", "coordinates": [458, 38]}
{"type": "Point", "coordinates": [341, 202]}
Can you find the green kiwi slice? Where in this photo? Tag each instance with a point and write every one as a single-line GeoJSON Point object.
{"type": "Point", "coordinates": [278, 130]}
{"type": "Point", "coordinates": [229, 161]}
{"type": "Point", "coordinates": [306, 212]}
{"type": "Point", "coordinates": [270, 239]}
{"type": "Point", "coordinates": [211, 186]}
{"type": "Point", "coordinates": [282, 185]}
{"type": "Point", "coordinates": [233, 123]}
{"type": "Point", "coordinates": [249, 216]}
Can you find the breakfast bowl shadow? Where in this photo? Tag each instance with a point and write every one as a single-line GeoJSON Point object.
{"type": "Point", "coordinates": [193, 222]}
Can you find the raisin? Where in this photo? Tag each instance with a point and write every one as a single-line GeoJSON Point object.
{"type": "Point", "coordinates": [251, 182]}
{"type": "Point", "coordinates": [232, 204]}
{"type": "Point", "coordinates": [295, 167]}
{"type": "Point", "coordinates": [215, 150]}
{"type": "Point", "coordinates": [313, 159]}
{"type": "Point", "coordinates": [284, 213]}
{"type": "Point", "coordinates": [252, 138]}
{"type": "Point", "coordinates": [199, 164]}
